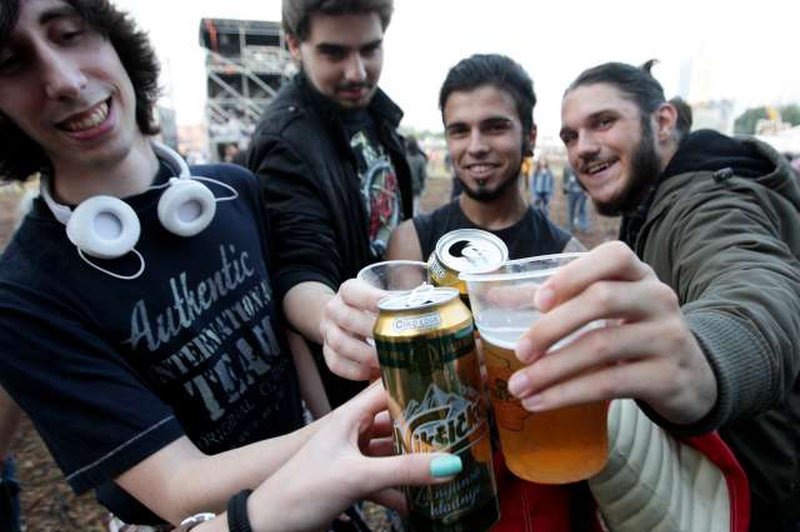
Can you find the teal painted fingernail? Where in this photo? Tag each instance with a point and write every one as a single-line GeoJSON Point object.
{"type": "Point", "coordinates": [446, 466]}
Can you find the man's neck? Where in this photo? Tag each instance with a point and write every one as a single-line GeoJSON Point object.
{"type": "Point", "coordinates": [497, 214]}
{"type": "Point", "coordinates": [130, 175]}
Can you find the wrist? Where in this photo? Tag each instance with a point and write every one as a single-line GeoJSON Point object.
{"type": "Point", "coordinates": [238, 515]}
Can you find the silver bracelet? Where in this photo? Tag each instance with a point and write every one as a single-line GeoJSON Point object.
{"type": "Point", "coordinates": [194, 520]}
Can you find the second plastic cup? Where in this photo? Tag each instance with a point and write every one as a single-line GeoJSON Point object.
{"type": "Point", "coordinates": [559, 446]}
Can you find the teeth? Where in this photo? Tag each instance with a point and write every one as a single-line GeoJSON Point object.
{"type": "Point", "coordinates": [94, 118]}
{"type": "Point", "coordinates": [480, 168]}
{"type": "Point", "coordinates": [593, 169]}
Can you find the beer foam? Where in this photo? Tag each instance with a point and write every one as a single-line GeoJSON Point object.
{"type": "Point", "coordinates": [504, 339]}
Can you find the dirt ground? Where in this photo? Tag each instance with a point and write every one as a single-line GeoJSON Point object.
{"type": "Point", "coordinates": [47, 502]}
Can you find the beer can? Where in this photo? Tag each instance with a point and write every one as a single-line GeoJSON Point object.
{"type": "Point", "coordinates": [465, 251]}
{"type": "Point", "coordinates": [431, 372]}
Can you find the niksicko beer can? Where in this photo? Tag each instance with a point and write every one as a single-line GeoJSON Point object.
{"type": "Point", "coordinates": [465, 251]}
{"type": "Point", "coordinates": [431, 371]}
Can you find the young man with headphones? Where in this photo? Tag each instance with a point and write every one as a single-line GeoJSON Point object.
{"type": "Point", "coordinates": [138, 327]}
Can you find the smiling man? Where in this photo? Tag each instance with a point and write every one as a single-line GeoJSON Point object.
{"type": "Point", "coordinates": [702, 290]}
{"type": "Point", "coordinates": [337, 180]}
{"type": "Point", "coordinates": [487, 106]}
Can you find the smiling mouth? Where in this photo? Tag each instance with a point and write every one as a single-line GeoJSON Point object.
{"type": "Point", "coordinates": [596, 167]}
{"type": "Point", "coordinates": [480, 171]}
{"type": "Point", "coordinates": [88, 119]}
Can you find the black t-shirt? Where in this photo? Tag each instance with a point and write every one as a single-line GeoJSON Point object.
{"type": "Point", "coordinates": [533, 235]}
{"type": "Point", "coordinates": [110, 371]}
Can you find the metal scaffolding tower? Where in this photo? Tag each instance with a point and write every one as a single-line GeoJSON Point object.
{"type": "Point", "coordinates": [246, 62]}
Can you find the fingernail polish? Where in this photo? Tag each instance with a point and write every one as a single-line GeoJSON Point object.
{"type": "Point", "coordinates": [445, 466]}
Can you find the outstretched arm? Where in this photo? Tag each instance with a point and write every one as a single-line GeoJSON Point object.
{"type": "Point", "coordinates": [343, 458]}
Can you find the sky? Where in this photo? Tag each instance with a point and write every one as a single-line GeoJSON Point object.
{"type": "Point", "coordinates": [742, 51]}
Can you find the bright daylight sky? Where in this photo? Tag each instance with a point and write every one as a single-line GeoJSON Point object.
{"type": "Point", "coordinates": [748, 51]}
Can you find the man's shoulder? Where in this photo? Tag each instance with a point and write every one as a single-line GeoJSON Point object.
{"type": "Point", "coordinates": [541, 222]}
{"type": "Point", "coordinates": [227, 172]}
{"type": "Point", "coordinates": [436, 216]}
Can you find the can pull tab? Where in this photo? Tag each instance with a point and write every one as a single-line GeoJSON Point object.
{"type": "Point", "coordinates": [420, 295]}
{"type": "Point", "coordinates": [474, 254]}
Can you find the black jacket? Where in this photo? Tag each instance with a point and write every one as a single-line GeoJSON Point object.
{"type": "Point", "coordinates": [315, 209]}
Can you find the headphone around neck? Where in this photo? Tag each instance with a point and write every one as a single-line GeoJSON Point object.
{"type": "Point", "coordinates": [106, 227]}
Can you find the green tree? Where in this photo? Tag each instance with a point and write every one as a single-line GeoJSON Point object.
{"type": "Point", "coordinates": [791, 114]}
{"type": "Point", "coordinates": [745, 124]}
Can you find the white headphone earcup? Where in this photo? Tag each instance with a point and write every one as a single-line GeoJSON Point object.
{"type": "Point", "coordinates": [104, 227]}
{"type": "Point", "coordinates": [186, 207]}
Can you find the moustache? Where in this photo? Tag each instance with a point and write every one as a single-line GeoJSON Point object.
{"type": "Point", "coordinates": [354, 86]}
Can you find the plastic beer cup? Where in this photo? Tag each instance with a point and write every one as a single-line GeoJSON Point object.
{"type": "Point", "coordinates": [558, 446]}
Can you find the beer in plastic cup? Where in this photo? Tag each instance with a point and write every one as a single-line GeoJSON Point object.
{"type": "Point", "coordinates": [558, 446]}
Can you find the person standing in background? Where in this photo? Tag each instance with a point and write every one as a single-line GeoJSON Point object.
{"type": "Point", "coordinates": [418, 164]}
{"type": "Point", "coordinates": [542, 186]}
{"type": "Point", "coordinates": [576, 201]}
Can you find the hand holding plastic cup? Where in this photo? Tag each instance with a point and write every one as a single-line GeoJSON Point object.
{"type": "Point", "coordinates": [559, 446]}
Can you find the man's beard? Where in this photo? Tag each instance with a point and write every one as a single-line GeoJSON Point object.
{"type": "Point", "coordinates": [645, 167]}
{"type": "Point", "coordinates": [484, 195]}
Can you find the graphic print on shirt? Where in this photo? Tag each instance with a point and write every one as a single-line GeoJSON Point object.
{"type": "Point", "coordinates": [215, 347]}
{"type": "Point", "coordinates": [379, 190]}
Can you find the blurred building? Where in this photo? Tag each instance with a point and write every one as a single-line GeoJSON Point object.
{"type": "Point", "coordinates": [168, 125]}
{"type": "Point", "coordinates": [718, 115]}
{"type": "Point", "coordinates": [246, 62]}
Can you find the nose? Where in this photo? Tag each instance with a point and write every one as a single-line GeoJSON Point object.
{"type": "Point", "coordinates": [585, 145]}
{"type": "Point", "coordinates": [477, 143]}
{"type": "Point", "coordinates": [62, 77]}
{"type": "Point", "coordinates": [355, 70]}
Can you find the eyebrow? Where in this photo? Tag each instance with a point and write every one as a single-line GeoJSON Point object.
{"type": "Point", "coordinates": [57, 13]}
{"type": "Point", "coordinates": [593, 116]}
{"type": "Point", "coordinates": [327, 46]}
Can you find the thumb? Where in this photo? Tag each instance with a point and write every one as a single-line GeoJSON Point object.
{"type": "Point", "coordinates": [413, 469]}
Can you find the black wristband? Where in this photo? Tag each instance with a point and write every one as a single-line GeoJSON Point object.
{"type": "Point", "coordinates": [237, 512]}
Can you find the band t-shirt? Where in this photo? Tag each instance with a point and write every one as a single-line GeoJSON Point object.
{"type": "Point", "coordinates": [380, 190]}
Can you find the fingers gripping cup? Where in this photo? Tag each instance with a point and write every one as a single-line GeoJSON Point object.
{"type": "Point", "coordinates": [559, 446]}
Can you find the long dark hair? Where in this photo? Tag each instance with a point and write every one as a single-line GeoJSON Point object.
{"type": "Point", "coordinates": [638, 85]}
{"type": "Point", "coordinates": [20, 156]}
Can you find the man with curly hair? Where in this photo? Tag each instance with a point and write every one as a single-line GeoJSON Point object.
{"type": "Point", "coordinates": [138, 328]}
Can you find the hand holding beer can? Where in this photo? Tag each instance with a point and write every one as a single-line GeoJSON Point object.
{"type": "Point", "coordinates": [559, 446]}
{"type": "Point", "coordinates": [431, 372]}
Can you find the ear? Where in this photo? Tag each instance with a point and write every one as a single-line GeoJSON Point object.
{"type": "Point", "coordinates": [666, 117]}
{"type": "Point", "coordinates": [294, 46]}
{"type": "Point", "coordinates": [529, 143]}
